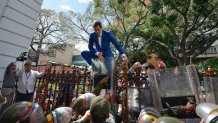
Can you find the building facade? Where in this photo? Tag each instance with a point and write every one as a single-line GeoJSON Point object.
{"type": "Point", "coordinates": [210, 52]}
{"type": "Point", "coordinates": [17, 23]}
{"type": "Point", "coordinates": [62, 57]}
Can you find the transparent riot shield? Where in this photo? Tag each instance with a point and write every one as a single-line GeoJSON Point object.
{"type": "Point", "coordinates": [133, 104]}
{"type": "Point", "coordinates": [175, 86]}
{"type": "Point", "coordinates": [153, 78]}
{"type": "Point", "coordinates": [140, 96]}
{"type": "Point", "coordinates": [101, 69]}
{"type": "Point", "coordinates": [211, 89]}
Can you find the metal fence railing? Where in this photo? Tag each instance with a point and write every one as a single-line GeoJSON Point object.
{"type": "Point", "coordinates": [60, 86]}
{"type": "Point", "coordinates": [64, 83]}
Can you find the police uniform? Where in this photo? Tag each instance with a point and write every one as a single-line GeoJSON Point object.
{"type": "Point", "coordinates": [180, 111]}
{"type": "Point", "coordinates": [99, 109]}
{"type": "Point", "coordinates": [81, 104]}
{"type": "Point", "coordinates": [99, 112]}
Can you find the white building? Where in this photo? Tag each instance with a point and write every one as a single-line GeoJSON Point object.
{"type": "Point", "coordinates": [17, 23]}
{"type": "Point", "coordinates": [211, 51]}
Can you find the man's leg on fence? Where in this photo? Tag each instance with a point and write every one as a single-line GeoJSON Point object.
{"type": "Point", "coordinates": [88, 56]}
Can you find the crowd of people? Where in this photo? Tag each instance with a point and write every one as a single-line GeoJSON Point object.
{"type": "Point", "coordinates": [19, 87]}
{"type": "Point", "coordinates": [87, 108]}
{"type": "Point", "coordinates": [19, 83]}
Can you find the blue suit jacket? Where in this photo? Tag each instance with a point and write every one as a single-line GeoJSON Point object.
{"type": "Point", "coordinates": [107, 37]}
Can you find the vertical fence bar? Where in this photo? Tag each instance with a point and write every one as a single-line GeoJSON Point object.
{"type": "Point", "coordinates": [125, 93]}
{"type": "Point", "coordinates": [84, 79]}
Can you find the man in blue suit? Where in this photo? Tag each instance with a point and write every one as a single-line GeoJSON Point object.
{"type": "Point", "coordinates": [102, 39]}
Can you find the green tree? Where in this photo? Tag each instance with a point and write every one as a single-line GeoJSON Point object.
{"type": "Point", "coordinates": [48, 32]}
{"type": "Point", "coordinates": [187, 27]}
{"type": "Point", "coordinates": [124, 18]}
{"type": "Point", "coordinates": [203, 65]}
{"type": "Point", "coordinates": [78, 26]}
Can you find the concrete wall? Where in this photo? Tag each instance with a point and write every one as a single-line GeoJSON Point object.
{"type": "Point", "coordinates": [17, 23]}
{"type": "Point", "coordinates": [64, 57]}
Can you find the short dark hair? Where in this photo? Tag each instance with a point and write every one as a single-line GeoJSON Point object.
{"type": "Point", "coordinates": [7, 71]}
{"type": "Point", "coordinates": [97, 23]}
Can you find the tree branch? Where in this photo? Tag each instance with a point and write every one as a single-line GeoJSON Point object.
{"type": "Point", "coordinates": [201, 49]}
{"type": "Point", "coordinates": [167, 47]}
{"type": "Point", "coordinates": [145, 43]}
{"type": "Point", "coordinates": [172, 30]}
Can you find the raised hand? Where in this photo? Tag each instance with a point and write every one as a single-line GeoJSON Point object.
{"type": "Point", "coordinates": [48, 68]}
{"type": "Point", "coordinates": [125, 59]}
{"type": "Point", "coordinates": [100, 57]}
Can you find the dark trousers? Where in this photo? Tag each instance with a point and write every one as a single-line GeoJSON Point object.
{"type": "Point", "coordinates": [88, 56]}
{"type": "Point", "coordinates": [24, 97]}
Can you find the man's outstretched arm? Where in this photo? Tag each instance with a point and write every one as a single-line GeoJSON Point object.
{"type": "Point", "coordinates": [100, 85]}
{"type": "Point", "coordinates": [118, 46]}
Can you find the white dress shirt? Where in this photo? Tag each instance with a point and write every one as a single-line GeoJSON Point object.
{"type": "Point", "coordinates": [26, 81]}
{"type": "Point", "coordinates": [99, 42]}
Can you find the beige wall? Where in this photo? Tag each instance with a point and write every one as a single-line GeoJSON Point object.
{"type": "Point", "coordinates": [64, 57]}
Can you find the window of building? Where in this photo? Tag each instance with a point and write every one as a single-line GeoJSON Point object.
{"type": "Point", "coordinates": [211, 50]}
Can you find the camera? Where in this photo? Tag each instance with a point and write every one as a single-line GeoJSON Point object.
{"type": "Point", "coordinates": [22, 57]}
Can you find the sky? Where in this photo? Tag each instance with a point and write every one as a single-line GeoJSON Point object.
{"type": "Point", "coordinates": [66, 5]}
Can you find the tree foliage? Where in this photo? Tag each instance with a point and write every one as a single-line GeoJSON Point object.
{"type": "Point", "coordinates": [125, 18]}
{"type": "Point", "coordinates": [48, 32]}
{"type": "Point", "coordinates": [176, 28]}
{"type": "Point", "coordinates": [78, 26]}
{"type": "Point", "coordinates": [122, 18]}
{"type": "Point", "coordinates": [187, 27]}
{"type": "Point", "coordinates": [213, 62]}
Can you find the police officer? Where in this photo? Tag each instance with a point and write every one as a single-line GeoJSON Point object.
{"type": "Point", "coordinates": [99, 112]}
{"type": "Point", "coordinates": [148, 115]}
{"type": "Point", "coordinates": [26, 112]}
{"type": "Point", "coordinates": [181, 111]}
{"type": "Point", "coordinates": [59, 115]}
{"type": "Point", "coordinates": [81, 104]}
